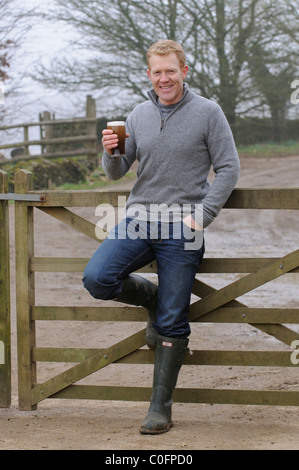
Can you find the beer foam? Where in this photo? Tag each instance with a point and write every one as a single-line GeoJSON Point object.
{"type": "Point", "coordinates": [116, 123]}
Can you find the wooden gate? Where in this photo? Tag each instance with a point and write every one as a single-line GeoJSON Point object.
{"type": "Point", "coordinates": [218, 306]}
{"type": "Point", "coordinates": [5, 365]}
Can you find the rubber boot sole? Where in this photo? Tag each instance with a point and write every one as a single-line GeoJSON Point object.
{"type": "Point", "coordinates": [144, 430]}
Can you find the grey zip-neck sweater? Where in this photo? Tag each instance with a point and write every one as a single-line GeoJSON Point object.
{"type": "Point", "coordinates": [175, 156]}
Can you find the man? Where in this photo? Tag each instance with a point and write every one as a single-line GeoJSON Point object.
{"type": "Point", "coordinates": [176, 136]}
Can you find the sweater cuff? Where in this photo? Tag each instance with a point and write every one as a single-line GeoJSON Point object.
{"type": "Point", "coordinates": [202, 218]}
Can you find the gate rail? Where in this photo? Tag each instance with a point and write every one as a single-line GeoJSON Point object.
{"type": "Point", "coordinates": [218, 306]}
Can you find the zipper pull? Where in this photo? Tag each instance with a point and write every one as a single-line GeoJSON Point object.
{"type": "Point", "coordinates": [162, 124]}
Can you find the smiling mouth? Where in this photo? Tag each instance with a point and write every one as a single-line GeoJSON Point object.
{"type": "Point", "coordinates": [165, 87]}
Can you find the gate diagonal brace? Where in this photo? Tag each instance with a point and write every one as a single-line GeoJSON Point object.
{"type": "Point", "coordinates": [278, 331]}
{"type": "Point", "coordinates": [264, 274]}
{"type": "Point", "coordinates": [88, 366]}
{"type": "Point", "coordinates": [73, 220]}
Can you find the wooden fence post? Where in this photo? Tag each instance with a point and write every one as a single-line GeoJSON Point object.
{"type": "Point", "coordinates": [91, 130]}
{"type": "Point", "coordinates": [48, 130]}
{"type": "Point", "coordinates": [24, 290]}
{"type": "Point", "coordinates": [5, 361]}
{"type": "Point", "coordinates": [26, 139]}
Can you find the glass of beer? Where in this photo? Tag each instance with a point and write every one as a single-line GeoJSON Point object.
{"type": "Point", "coordinates": [119, 128]}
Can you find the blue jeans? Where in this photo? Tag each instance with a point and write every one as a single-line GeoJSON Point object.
{"type": "Point", "coordinates": [122, 253]}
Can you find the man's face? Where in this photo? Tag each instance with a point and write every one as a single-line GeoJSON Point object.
{"type": "Point", "coordinates": [167, 77]}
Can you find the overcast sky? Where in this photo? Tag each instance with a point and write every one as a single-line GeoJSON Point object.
{"type": "Point", "coordinates": [42, 44]}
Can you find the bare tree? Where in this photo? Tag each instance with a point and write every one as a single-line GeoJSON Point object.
{"type": "Point", "coordinates": [273, 62]}
{"type": "Point", "coordinates": [274, 86]}
{"type": "Point", "coordinates": [112, 37]}
{"type": "Point", "coordinates": [234, 30]}
{"type": "Point", "coordinates": [6, 43]}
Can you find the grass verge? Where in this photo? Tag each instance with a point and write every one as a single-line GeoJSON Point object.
{"type": "Point", "coordinates": [270, 149]}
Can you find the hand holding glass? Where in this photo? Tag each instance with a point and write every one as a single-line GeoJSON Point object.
{"type": "Point", "coordinates": [119, 128]}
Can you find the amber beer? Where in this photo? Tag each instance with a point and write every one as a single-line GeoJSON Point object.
{"type": "Point", "coordinates": [119, 128]}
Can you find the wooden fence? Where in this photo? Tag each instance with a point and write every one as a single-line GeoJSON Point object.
{"type": "Point", "coordinates": [219, 306]}
{"type": "Point", "coordinates": [53, 147]}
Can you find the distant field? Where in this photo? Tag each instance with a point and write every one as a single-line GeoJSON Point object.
{"type": "Point", "coordinates": [270, 149]}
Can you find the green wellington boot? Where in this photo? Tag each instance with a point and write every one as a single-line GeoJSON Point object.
{"type": "Point", "coordinates": [170, 353]}
{"type": "Point", "coordinates": [137, 290]}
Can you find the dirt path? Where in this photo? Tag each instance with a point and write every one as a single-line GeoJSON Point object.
{"type": "Point", "coordinates": [74, 424]}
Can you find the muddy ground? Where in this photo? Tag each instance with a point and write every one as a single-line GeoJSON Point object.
{"type": "Point", "coordinates": [79, 424]}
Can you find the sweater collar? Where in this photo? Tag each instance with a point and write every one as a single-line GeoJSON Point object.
{"type": "Point", "coordinates": [186, 94]}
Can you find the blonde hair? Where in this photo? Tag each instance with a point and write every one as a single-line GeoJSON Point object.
{"type": "Point", "coordinates": [165, 47]}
